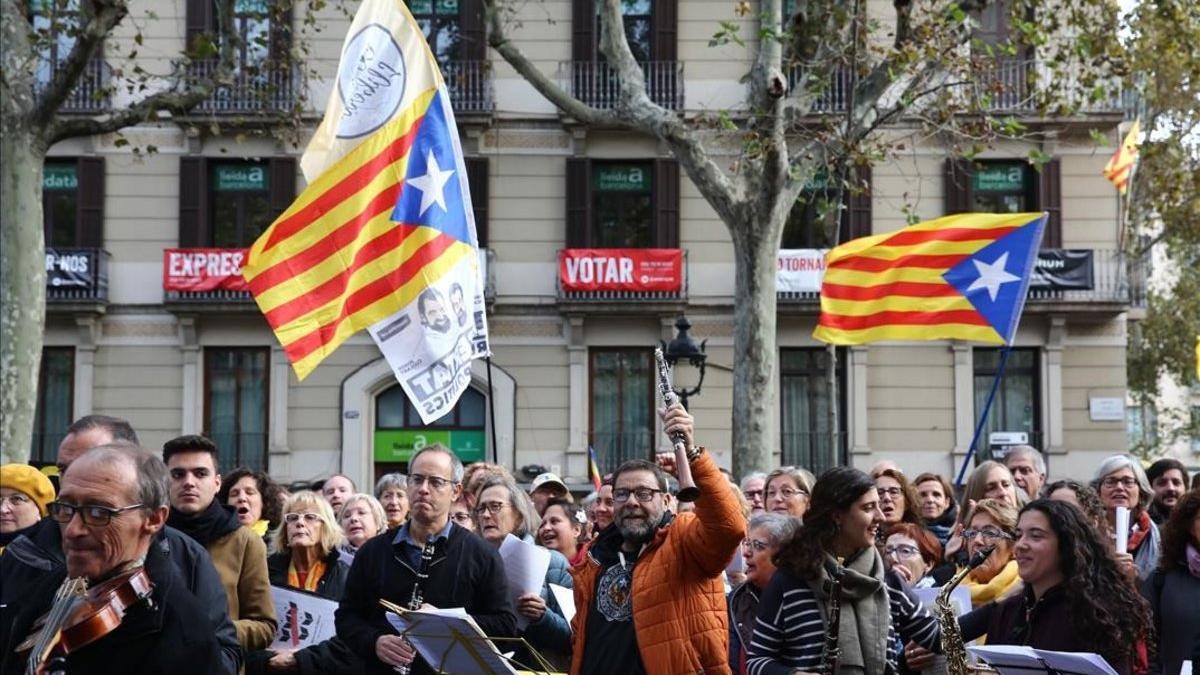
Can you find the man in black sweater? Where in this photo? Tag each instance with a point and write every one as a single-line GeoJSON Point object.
{"type": "Point", "coordinates": [465, 571]}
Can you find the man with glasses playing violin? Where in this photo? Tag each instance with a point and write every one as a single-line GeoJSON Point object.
{"type": "Point", "coordinates": [464, 571]}
{"type": "Point", "coordinates": [649, 592]}
{"type": "Point", "coordinates": [112, 503]}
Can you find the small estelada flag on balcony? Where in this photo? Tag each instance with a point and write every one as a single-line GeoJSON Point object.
{"type": "Point", "coordinates": [383, 237]}
{"type": "Point", "coordinates": [1119, 169]}
{"type": "Point", "coordinates": [960, 277]}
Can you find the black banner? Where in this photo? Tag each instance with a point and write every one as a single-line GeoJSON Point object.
{"type": "Point", "coordinates": [71, 268]}
{"type": "Point", "coordinates": [1063, 269]}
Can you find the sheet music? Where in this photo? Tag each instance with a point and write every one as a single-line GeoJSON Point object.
{"type": "Point", "coordinates": [1021, 660]}
{"type": "Point", "coordinates": [566, 600]}
{"type": "Point", "coordinates": [451, 641]}
{"type": "Point", "coordinates": [525, 565]}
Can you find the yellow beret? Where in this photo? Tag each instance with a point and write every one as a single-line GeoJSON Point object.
{"type": "Point", "coordinates": [28, 480]}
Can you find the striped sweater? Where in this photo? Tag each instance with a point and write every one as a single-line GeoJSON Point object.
{"type": "Point", "coordinates": [790, 631]}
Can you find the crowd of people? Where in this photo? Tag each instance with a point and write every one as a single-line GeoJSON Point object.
{"type": "Point", "coordinates": [748, 578]}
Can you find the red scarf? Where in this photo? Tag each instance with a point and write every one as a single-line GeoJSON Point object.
{"type": "Point", "coordinates": [1138, 531]}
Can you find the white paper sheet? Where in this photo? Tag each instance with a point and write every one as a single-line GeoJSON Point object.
{"type": "Point", "coordinates": [303, 619]}
{"type": "Point", "coordinates": [437, 635]}
{"type": "Point", "coordinates": [526, 566]}
{"type": "Point", "coordinates": [1122, 527]}
{"type": "Point", "coordinates": [566, 600]}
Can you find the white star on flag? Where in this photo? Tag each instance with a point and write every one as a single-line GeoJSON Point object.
{"type": "Point", "coordinates": [992, 276]}
{"type": "Point", "coordinates": [432, 184]}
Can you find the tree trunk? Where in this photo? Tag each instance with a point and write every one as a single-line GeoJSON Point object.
{"type": "Point", "coordinates": [22, 288]}
{"type": "Point", "coordinates": [754, 346]}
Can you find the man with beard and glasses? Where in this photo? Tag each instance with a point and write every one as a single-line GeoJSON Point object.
{"type": "Point", "coordinates": [649, 592]}
{"type": "Point", "coordinates": [237, 552]}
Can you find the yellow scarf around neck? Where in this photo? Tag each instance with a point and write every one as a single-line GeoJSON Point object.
{"type": "Point", "coordinates": [997, 586]}
{"type": "Point", "coordinates": [310, 582]}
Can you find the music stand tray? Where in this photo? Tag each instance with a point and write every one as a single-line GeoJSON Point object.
{"type": "Point", "coordinates": [1021, 660]}
{"type": "Point", "coordinates": [452, 643]}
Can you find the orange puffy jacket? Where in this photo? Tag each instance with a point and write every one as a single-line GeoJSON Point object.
{"type": "Point", "coordinates": [679, 611]}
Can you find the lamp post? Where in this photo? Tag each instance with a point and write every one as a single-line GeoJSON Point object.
{"type": "Point", "coordinates": [684, 348]}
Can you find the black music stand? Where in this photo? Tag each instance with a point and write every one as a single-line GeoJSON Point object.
{"type": "Point", "coordinates": [1021, 660]}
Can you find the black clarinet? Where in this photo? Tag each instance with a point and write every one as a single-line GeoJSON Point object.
{"type": "Point", "coordinates": [832, 653]}
{"type": "Point", "coordinates": [418, 591]}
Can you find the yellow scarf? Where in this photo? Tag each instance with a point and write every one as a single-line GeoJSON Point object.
{"type": "Point", "coordinates": [311, 580]}
{"type": "Point", "coordinates": [260, 528]}
{"type": "Point", "coordinates": [995, 588]}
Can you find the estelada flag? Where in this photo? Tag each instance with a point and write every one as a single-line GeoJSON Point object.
{"type": "Point", "coordinates": [1120, 165]}
{"type": "Point", "coordinates": [594, 469]}
{"type": "Point", "coordinates": [383, 237]}
{"type": "Point", "coordinates": [960, 277]}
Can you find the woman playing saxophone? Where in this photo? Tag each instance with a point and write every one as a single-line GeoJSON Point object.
{"type": "Point", "coordinates": [838, 537]}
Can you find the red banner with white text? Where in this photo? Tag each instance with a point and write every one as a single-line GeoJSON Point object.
{"type": "Point", "coordinates": [621, 269]}
{"type": "Point", "coordinates": [203, 269]}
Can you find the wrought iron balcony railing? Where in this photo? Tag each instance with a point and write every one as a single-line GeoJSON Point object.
{"type": "Point", "coordinates": [596, 82]}
{"type": "Point", "coordinates": [251, 90]}
{"type": "Point", "coordinates": [76, 276]}
{"type": "Point", "coordinates": [470, 86]}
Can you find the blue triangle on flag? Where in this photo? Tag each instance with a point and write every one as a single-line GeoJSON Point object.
{"type": "Point", "coordinates": [432, 194]}
{"type": "Point", "coordinates": [995, 279]}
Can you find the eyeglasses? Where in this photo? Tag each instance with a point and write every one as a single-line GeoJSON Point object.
{"type": "Point", "coordinates": [892, 492]}
{"type": "Point", "coordinates": [753, 494]}
{"type": "Point", "coordinates": [786, 493]}
{"type": "Point", "coordinates": [309, 517]}
{"type": "Point", "coordinates": [436, 483]}
{"type": "Point", "coordinates": [96, 516]}
{"type": "Point", "coordinates": [989, 534]}
{"type": "Point", "coordinates": [756, 545]}
{"type": "Point", "coordinates": [644, 494]}
{"type": "Point", "coordinates": [1127, 482]}
{"type": "Point", "coordinates": [461, 516]}
{"type": "Point", "coordinates": [491, 507]}
{"type": "Point", "coordinates": [902, 551]}
{"type": "Point", "coordinates": [17, 500]}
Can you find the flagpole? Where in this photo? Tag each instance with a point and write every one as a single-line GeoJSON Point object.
{"type": "Point", "coordinates": [492, 412]}
{"type": "Point", "coordinates": [983, 417]}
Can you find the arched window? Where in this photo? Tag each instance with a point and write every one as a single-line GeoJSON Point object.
{"type": "Point", "coordinates": [399, 432]}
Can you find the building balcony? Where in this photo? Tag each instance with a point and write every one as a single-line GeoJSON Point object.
{"type": "Point", "coordinates": [596, 83]}
{"type": "Point", "coordinates": [76, 279]}
{"type": "Point", "coordinates": [612, 277]}
{"type": "Point", "coordinates": [206, 279]}
{"type": "Point", "coordinates": [91, 94]}
{"type": "Point", "coordinates": [470, 87]}
{"type": "Point", "coordinates": [250, 91]}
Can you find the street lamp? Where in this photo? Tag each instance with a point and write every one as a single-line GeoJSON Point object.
{"type": "Point", "coordinates": [684, 348]}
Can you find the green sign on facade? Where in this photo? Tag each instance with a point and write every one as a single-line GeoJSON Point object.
{"type": "Point", "coordinates": [426, 6]}
{"type": "Point", "coordinates": [59, 177]}
{"type": "Point", "coordinates": [398, 445]}
{"type": "Point", "coordinates": [621, 178]}
{"type": "Point", "coordinates": [1007, 178]}
{"type": "Point", "coordinates": [239, 178]}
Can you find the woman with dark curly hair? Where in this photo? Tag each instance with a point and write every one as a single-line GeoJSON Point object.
{"type": "Point", "coordinates": [1174, 588]}
{"type": "Point", "coordinates": [837, 538]}
{"type": "Point", "coordinates": [1076, 598]}
{"type": "Point", "coordinates": [1084, 497]}
{"type": "Point", "coordinates": [255, 497]}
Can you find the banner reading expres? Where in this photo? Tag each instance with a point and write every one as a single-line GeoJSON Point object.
{"type": "Point", "coordinates": [203, 269]}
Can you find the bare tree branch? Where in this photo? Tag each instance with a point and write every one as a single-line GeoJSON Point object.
{"type": "Point", "coordinates": [181, 94]}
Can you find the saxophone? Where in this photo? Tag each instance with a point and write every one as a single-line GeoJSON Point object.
{"type": "Point", "coordinates": [952, 640]}
{"type": "Point", "coordinates": [832, 652]}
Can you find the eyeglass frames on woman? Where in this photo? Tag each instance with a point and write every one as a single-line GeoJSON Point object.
{"type": "Point", "coordinates": [308, 517]}
{"type": "Point", "coordinates": [989, 534]}
{"type": "Point", "coordinates": [902, 551]}
{"type": "Point", "coordinates": [491, 507]}
{"type": "Point", "coordinates": [96, 516]}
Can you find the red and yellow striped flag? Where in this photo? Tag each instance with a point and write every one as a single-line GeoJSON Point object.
{"type": "Point", "coordinates": [961, 277]}
{"type": "Point", "coordinates": [383, 236]}
{"type": "Point", "coordinates": [1120, 166]}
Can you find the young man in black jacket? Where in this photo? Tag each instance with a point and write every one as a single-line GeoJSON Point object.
{"type": "Point", "coordinates": [465, 571]}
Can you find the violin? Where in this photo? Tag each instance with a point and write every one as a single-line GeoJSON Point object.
{"type": "Point", "coordinates": [82, 615]}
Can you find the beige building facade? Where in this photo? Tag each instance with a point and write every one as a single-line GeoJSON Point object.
{"type": "Point", "coordinates": [571, 368]}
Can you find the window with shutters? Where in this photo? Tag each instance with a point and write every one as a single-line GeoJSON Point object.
{"type": "Point", "coordinates": [1007, 186]}
{"type": "Point", "coordinates": [55, 26]}
{"type": "Point", "coordinates": [1017, 404]}
{"type": "Point", "coordinates": [1004, 70]}
{"type": "Point", "coordinates": [55, 402]}
{"type": "Point", "coordinates": [622, 204]}
{"type": "Point", "coordinates": [478, 180]}
{"type": "Point", "coordinates": [622, 404]}
{"type": "Point", "coordinates": [806, 224]}
{"type": "Point", "coordinates": [228, 203]}
{"type": "Point", "coordinates": [73, 202]}
{"type": "Point", "coordinates": [651, 31]}
{"type": "Point", "coordinates": [262, 78]}
{"type": "Point", "coordinates": [804, 408]}
{"type": "Point", "coordinates": [235, 404]}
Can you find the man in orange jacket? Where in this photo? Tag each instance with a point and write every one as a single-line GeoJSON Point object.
{"type": "Point", "coordinates": [649, 593]}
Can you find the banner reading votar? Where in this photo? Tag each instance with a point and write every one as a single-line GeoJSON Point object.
{"type": "Point", "coordinates": [621, 269]}
{"type": "Point", "coordinates": [800, 270]}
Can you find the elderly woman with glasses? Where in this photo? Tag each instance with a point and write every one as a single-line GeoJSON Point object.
{"type": "Point", "coordinates": [993, 522]}
{"type": "Point", "coordinates": [25, 493]}
{"type": "Point", "coordinates": [501, 509]}
{"type": "Point", "coordinates": [767, 532]}
{"type": "Point", "coordinates": [391, 491]}
{"type": "Point", "coordinates": [306, 558]}
{"type": "Point", "coordinates": [788, 490]}
{"type": "Point", "coordinates": [1121, 481]}
{"type": "Point", "coordinates": [914, 553]}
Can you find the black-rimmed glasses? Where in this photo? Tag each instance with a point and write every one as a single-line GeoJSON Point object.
{"type": "Point", "coordinates": [436, 483]}
{"type": "Point", "coordinates": [96, 516]}
{"type": "Point", "coordinates": [643, 494]}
